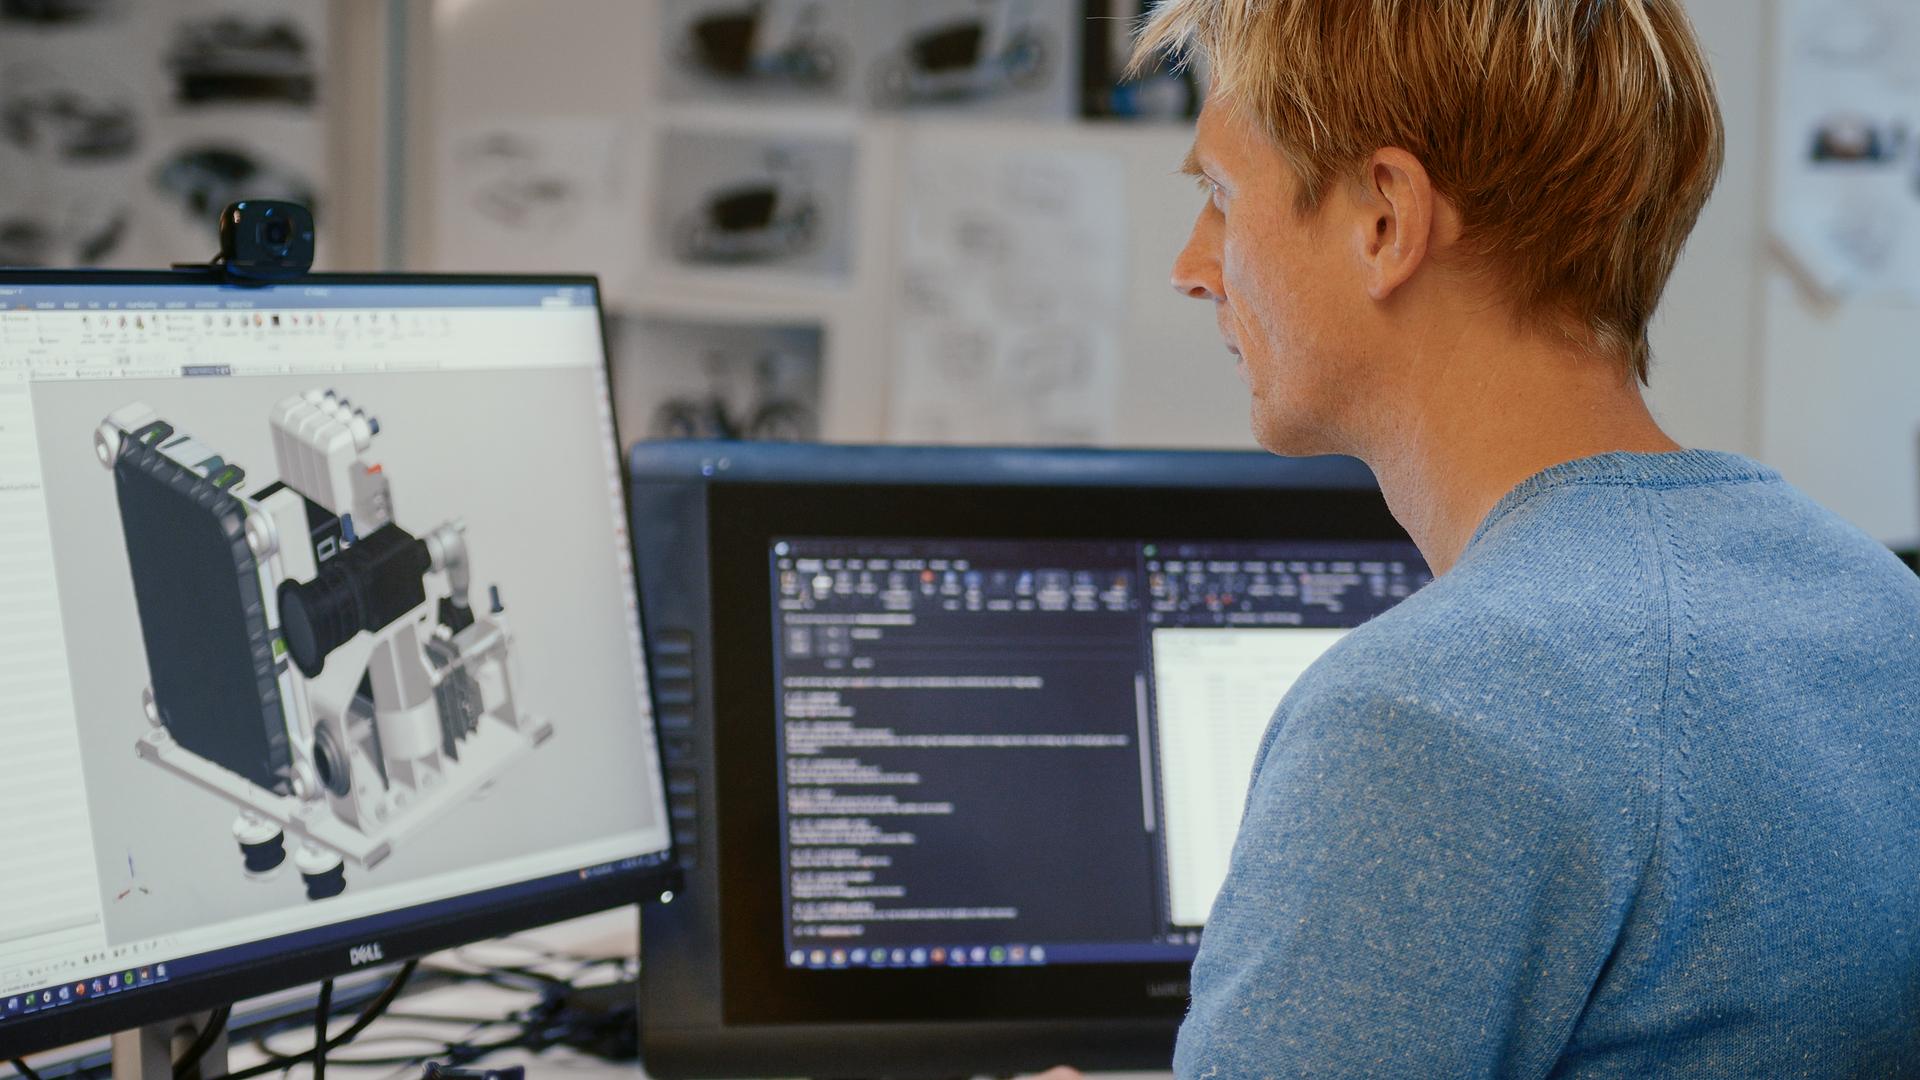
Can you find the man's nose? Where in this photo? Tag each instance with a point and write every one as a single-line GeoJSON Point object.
{"type": "Point", "coordinates": [1196, 270]}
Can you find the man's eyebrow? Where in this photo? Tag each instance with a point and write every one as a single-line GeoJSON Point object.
{"type": "Point", "coordinates": [1190, 165]}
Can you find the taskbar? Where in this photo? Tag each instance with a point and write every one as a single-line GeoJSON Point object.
{"type": "Point", "coordinates": [1001, 954]}
{"type": "Point", "coordinates": [143, 977]}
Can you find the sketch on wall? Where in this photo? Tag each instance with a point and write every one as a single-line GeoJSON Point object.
{"type": "Point", "coordinates": [757, 50]}
{"type": "Point", "coordinates": [1005, 56]}
{"type": "Point", "coordinates": [1011, 295]}
{"type": "Point", "coordinates": [538, 194]}
{"type": "Point", "coordinates": [1846, 198]}
{"type": "Point", "coordinates": [236, 57]}
{"type": "Point", "coordinates": [741, 202]}
{"type": "Point", "coordinates": [692, 379]}
{"type": "Point", "coordinates": [125, 127]}
{"type": "Point", "coordinates": [1010, 56]}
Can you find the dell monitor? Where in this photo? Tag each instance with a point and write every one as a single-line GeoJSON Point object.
{"type": "Point", "coordinates": [958, 739]}
{"type": "Point", "coordinates": [320, 643]}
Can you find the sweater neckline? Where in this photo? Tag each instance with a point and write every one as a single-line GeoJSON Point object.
{"type": "Point", "coordinates": [1623, 468]}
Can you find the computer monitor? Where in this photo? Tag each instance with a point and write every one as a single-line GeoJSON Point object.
{"type": "Point", "coordinates": [320, 644]}
{"type": "Point", "coordinates": [958, 739]}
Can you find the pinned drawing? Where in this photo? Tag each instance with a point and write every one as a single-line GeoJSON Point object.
{"type": "Point", "coordinates": [734, 202]}
{"type": "Point", "coordinates": [769, 49]}
{"type": "Point", "coordinates": [755, 219]}
{"type": "Point", "coordinates": [1846, 201]}
{"type": "Point", "coordinates": [690, 379]}
{"type": "Point", "coordinates": [242, 59]}
{"type": "Point", "coordinates": [1011, 294]}
{"type": "Point", "coordinates": [963, 58]}
{"type": "Point", "coordinates": [538, 194]}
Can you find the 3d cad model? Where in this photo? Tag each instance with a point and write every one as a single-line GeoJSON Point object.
{"type": "Point", "coordinates": [299, 666]}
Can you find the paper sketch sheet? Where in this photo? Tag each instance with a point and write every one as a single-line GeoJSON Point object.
{"type": "Point", "coordinates": [539, 194]}
{"type": "Point", "coordinates": [1846, 193]}
{"type": "Point", "coordinates": [1011, 295]}
{"type": "Point", "coordinates": [128, 126]}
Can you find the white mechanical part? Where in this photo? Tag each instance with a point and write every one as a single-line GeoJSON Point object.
{"type": "Point", "coordinates": [318, 439]}
{"type": "Point", "coordinates": [119, 424]}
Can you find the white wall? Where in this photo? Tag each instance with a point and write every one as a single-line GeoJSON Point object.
{"type": "Point", "coordinates": [1744, 360]}
{"type": "Point", "coordinates": [1706, 363]}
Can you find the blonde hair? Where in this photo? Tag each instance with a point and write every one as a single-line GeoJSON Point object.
{"type": "Point", "coordinates": [1578, 139]}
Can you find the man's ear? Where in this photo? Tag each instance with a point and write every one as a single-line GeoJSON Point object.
{"type": "Point", "coordinates": [1400, 211]}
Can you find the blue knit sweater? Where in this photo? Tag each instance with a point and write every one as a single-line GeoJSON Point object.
{"type": "Point", "coordinates": [1632, 790]}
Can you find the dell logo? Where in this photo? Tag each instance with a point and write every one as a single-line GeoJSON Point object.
{"type": "Point", "coordinates": [365, 954]}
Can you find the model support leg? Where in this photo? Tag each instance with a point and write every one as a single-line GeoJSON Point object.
{"type": "Point", "coordinates": [262, 844]}
{"type": "Point", "coordinates": [322, 870]}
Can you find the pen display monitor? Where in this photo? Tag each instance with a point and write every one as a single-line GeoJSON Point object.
{"type": "Point", "coordinates": [321, 639]}
{"type": "Point", "coordinates": [957, 740]}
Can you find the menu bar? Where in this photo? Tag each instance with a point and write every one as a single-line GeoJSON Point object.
{"type": "Point", "coordinates": [289, 297]}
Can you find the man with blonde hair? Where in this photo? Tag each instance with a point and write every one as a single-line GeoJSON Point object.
{"type": "Point", "coordinates": [1633, 787]}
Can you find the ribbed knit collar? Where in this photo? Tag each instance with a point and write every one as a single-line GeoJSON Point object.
{"type": "Point", "coordinates": [1679, 468]}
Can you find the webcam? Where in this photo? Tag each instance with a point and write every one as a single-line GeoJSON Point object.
{"type": "Point", "coordinates": [264, 240]}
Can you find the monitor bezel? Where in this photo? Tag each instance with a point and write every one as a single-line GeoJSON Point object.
{"type": "Point", "coordinates": [422, 928]}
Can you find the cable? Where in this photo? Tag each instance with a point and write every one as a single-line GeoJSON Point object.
{"type": "Point", "coordinates": [546, 1023]}
{"type": "Point", "coordinates": [320, 1029]}
{"type": "Point", "coordinates": [373, 1010]}
{"type": "Point", "coordinates": [203, 1042]}
{"type": "Point", "coordinates": [20, 1066]}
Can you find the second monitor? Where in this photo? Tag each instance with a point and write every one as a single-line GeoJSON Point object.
{"type": "Point", "coordinates": [959, 738]}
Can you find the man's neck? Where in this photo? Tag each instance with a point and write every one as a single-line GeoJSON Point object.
{"type": "Point", "coordinates": [1475, 423]}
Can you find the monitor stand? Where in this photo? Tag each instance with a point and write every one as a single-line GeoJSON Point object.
{"type": "Point", "coordinates": [148, 1053]}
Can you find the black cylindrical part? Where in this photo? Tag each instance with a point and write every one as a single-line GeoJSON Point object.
{"type": "Point", "coordinates": [365, 587]}
{"type": "Point", "coordinates": [265, 855]}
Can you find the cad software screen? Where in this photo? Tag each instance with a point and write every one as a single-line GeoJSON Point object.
{"type": "Point", "coordinates": [318, 608]}
{"type": "Point", "coordinates": [1018, 752]}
